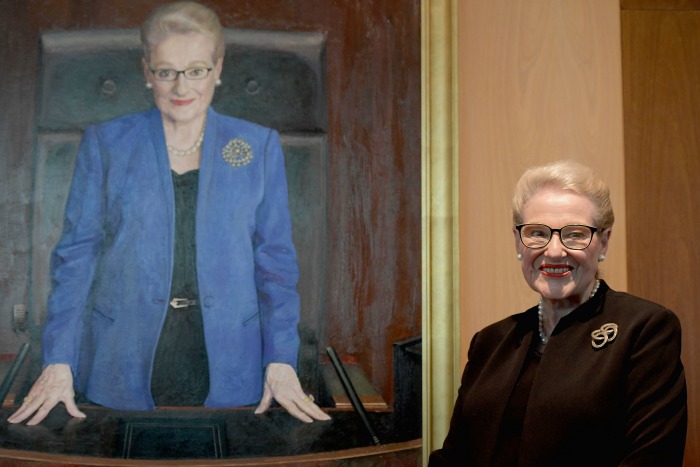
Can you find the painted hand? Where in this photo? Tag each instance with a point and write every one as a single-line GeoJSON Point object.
{"type": "Point", "coordinates": [54, 385]}
{"type": "Point", "coordinates": [282, 384]}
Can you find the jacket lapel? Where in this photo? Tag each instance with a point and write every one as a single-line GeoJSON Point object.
{"type": "Point", "coordinates": [165, 181]}
{"type": "Point", "coordinates": [206, 164]}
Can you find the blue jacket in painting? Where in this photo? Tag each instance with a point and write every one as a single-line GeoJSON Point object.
{"type": "Point", "coordinates": [112, 269]}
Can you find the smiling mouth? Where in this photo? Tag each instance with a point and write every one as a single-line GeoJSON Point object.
{"type": "Point", "coordinates": [556, 271]}
{"type": "Point", "coordinates": [182, 102]}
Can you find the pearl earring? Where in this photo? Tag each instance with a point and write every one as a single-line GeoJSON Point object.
{"type": "Point", "coordinates": [218, 82]}
{"type": "Point", "coordinates": [601, 258]}
{"type": "Point", "coordinates": [149, 86]}
{"type": "Point", "coordinates": [519, 256]}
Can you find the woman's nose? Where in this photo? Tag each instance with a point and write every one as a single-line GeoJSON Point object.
{"type": "Point", "coordinates": [181, 84]}
{"type": "Point", "coordinates": [555, 248]}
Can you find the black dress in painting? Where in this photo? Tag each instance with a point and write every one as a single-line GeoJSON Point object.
{"type": "Point", "coordinates": [180, 368]}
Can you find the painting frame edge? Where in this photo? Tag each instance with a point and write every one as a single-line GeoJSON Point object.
{"type": "Point", "coordinates": [439, 219]}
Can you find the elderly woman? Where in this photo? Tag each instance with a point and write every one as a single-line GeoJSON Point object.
{"type": "Point", "coordinates": [174, 282]}
{"type": "Point", "coordinates": [589, 376]}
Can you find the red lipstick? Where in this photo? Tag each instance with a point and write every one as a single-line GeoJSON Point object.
{"type": "Point", "coordinates": [180, 102]}
{"type": "Point", "coordinates": [555, 270]}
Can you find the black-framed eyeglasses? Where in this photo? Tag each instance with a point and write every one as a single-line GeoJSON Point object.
{"type": "Point", "coordinates": [573, 237]}
{"type": "Point", "coordinates": [167, 74]}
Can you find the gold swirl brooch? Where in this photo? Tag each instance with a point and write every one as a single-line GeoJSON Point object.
{"type": "Point", "coordinates": [603, 336]}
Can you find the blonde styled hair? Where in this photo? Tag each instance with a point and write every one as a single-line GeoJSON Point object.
{"type": "Point", "coordinates": [181, 18]}
{"type": "Point", "coordinates": [564, 175]}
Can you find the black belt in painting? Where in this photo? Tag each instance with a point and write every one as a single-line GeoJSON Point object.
{"type": "Point", "coordinates": [182, 302]}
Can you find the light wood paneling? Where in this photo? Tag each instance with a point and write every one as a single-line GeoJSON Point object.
{"type": "Point", "coordinates": [538, 81]}
{"type": "Point", "coordinates": [661, 63]}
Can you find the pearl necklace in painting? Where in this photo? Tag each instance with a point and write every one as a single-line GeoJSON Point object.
{"type": "Point", "coordinates": [186, 152]}
{"type": "Point", "coordinates": [543, 336]}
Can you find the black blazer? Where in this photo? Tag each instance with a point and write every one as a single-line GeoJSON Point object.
{"type": "Point", "coordinates": [622, 404]}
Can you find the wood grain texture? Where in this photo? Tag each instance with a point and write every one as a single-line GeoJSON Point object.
{"type": "Point", "coordinates": [539, 81]}
{"type": "Point", "coordinates": [670, 5]}
{"type": "Point", "coordinates": [661, 64]}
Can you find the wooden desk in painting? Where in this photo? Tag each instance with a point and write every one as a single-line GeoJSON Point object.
{"type": "Point", "coordinates": [203, 437]}
{"type": "Point", "coordinates": [199, 436]}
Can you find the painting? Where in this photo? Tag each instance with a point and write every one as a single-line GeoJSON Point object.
{"type": "Point", "coordinates": [363, 204]}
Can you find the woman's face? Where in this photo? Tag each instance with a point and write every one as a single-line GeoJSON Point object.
{"type": "Point", "coordinates": [183, 100]}
{"type": "Point", "coordinates": [556, 272]}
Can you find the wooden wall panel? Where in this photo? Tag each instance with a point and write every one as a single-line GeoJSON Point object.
{"type": "Point", "coordinates": [661, 65]}
{"type": "Point", "coordinates": [539, 81]}
{"type": "Point", "coordinates": [672, 5]}
{"type": "Point", "coordinates": [373, 57]}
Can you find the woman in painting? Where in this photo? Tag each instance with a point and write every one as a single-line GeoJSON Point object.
{"type": "Point", "coordinates": [174, 282]}
{"type": "Point", "coordinates": [589, 376]}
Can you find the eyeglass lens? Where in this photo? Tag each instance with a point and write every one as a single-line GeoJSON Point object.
{"type": "Point", "coordinates": [166, 74]}
{"type": "Point", "coordinates": [575, 237]}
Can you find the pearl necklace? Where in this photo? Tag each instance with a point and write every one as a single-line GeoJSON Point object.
{"type": "Point", "coordinates": [543, 336]}
{"type": "Point", "coordinates": [186, 152]}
